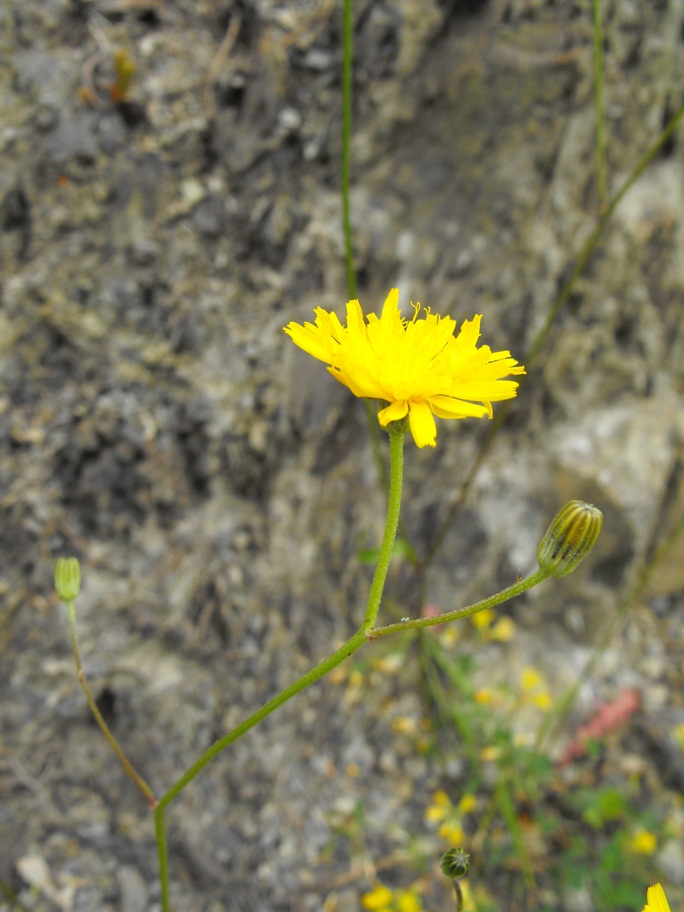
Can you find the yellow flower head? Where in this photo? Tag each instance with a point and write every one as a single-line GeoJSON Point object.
{"type": "Point", "coordinates": [419, 367]}
{"type": "Point", "coordinates": [656, 900]}
{"type": "Point", "coordinates": [643, 842]}
{"type": "Point", "coordinates": [379, 898]}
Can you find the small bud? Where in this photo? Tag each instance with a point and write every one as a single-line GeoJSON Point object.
{"type": "Point", "coordinates": [455, 863]}
{"type": "Point", "coordinates": [67, 578]}
{"type": "Point", "coordinates": [569, 538]}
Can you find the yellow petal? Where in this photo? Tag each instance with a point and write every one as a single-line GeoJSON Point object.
{"type": "Point", "coordinates": [656, 900]}
{"type": "Point", "coordinates": [422, 424]}
{"type": "Point", "coordinates": [394, 412]}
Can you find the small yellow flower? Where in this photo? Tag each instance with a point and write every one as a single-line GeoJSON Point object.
{"type": "Point", "coordinates": [451, 832]}
{"type": "Point", "coordinates": [542, 700]}
{"type": "Point", "coordinates": [483, 619]}
{"type": "Point", "coordinates": [418, 367]}
{"type": "Point", "coordinates": [656, 900]}
{"type": "Point", "coordinates": [530, 679]}
{"type": "Point", "coordinates": [404, 725]}
{"type": "Point", "coordinates": [467, 804]}
{"type": "Point", "coordinates": [643, 843]}
{"type": "Point", "coordinates": [356, 678]}
{"type": "Point", "coordinates": [449, 635]}
{"type": "Point", "coordinates": [678, 735]}
{"type": "Point", "coordinates": [488, 754]}
{"type": "Point", "coordinates": [439, 808]}
{"type": "Point", "coordinates": [408, 901]}
{"type": "Point", "coordinates": [378, 899]}
{"type": "Point", "coordinates": [503, 630]}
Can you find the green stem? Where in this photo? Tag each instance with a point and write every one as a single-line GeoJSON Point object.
{"type": "Point", "coordinates": [163, 855]}
{"type": "Point", "coordinates": [506, 805]}
{"type": "Point", "coordinates": [431, 657]}
{"type": "Point", "coordinates": [345, 181]}
{"type": "Point", "coordinates": [347, 32]}
{"type": "Point", "coordinates": [593, 239]}
{"type": "Point", "coordinates": [510, 592]}
{"type": "Point", "coordinates": [396, 436]}
{"type": "Point", "coordinates": [583, 258]}
{"type": "Point", "coordinates": [114, 744]}
{"type": "Point", "coordinates": [359, 639]}
{"type": "Point", "coordinates": [600, 108]}
{"type": "Point", "coordinates": [352, 644]}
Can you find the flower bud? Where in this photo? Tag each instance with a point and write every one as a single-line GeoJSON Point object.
{"type": "Point", "coordinates": [67, 578]}
{"type": "Point", "coordinates": [455, 863]}
{"type": "Point", "coordinates": [569, 538]}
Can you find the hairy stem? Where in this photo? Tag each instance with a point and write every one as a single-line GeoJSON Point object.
{"type": "Point", "coordinates": [113, 743]}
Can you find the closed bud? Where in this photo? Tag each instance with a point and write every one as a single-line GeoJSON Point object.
{"type": "Point", "coordinates": [67, 578]}
{"type": "Point", "coordinates": [455, 863]}
{"type": "Point", "coordinates": [569, 538]}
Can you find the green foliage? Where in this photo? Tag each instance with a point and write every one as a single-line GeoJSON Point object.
{"type": "Point", "coordinates": [553, 830]}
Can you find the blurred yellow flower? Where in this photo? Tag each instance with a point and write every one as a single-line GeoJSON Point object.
{"type": "Point", "coordinates": [530, 678]}
{"type": "Point", "coordinates": [467, 804]}
{"type": "Point", "coordinates": [643, 842]}
{"type": "Point", "coordinates": [542, 700]}
{"type": "Point", "coordinates": [408, 901]}
{"type": "Point", "coordinates": [656, 900]}
{"type": "Point", "coordinates": [439, 808]}
{"type": "Point", "coordinates": [379, 898]}
{"type": "Point", "coordinates": [452, 832]}
{"type": "Point", "coordinates": [503, 630]}
{"type": "Point", "coordinates": [404, 725]}
{"type": "Point", "coordinates": [487, 754]}
{"type": "Point", "coordinates": [678, 734]}
{"type": "Point", "coordinates": [418, 367]}
{"type": "Point", "coordinates": [483, 619]}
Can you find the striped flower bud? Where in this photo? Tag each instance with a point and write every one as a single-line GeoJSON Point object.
{"type": "Point", "coordinates": [455, 863]}
{"type": "Point", "coordinates": [67, 578]}
{"type": "Point", "coordinates": [569, 538]}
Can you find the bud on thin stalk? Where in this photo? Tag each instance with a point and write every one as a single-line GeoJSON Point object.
{"type": "Point", "coordinates": [569, 538]}
{"type": "Point", "coordinates": [455, 863]}
{"type": "Point", "coordinates": [67, 579]}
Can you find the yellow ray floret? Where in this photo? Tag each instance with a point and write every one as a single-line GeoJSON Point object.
{"type": "Point", "coordinates": [656, 900]}
{"type": "Point", "coordinates": [418, 366]}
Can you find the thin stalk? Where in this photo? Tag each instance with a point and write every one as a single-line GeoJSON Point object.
{"type": "Point", "coordinates": [113, 743]}
{"type": "Point", "coordinates": [510, 592]}
{"type": "Point", "coordinates": [163, 856]}
{"type": "Point", "coordinates": [359, 639]}
{"type": "Point", "coordinates": [347, 59]}
{"type": "Point", "coordinates": [347, 234]}
{"type": "Point", "coordinates": [315, 674]}
{"type": "Point", "coordinates": [593, 239]}
{"type": "Point", "coordinates": [396, 436]}
{"type": "Point", "coordinates": [600, 110]}
{"type": "Point", "coordinates": [504, 800]}
{"type": "Point", "coordinates": [583, 258]}
{"type": "Point", "coordinates": [432, 656]}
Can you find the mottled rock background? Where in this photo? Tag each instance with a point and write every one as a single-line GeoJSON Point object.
{"type": "Point", "coordinates": [216, 483]}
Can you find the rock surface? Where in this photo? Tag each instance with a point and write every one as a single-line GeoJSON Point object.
{"type": "Point", "coordinates": [216, 483]}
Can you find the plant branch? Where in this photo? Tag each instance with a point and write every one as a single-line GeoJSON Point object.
{"type": "Point", "coordinates": [113, 743]}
